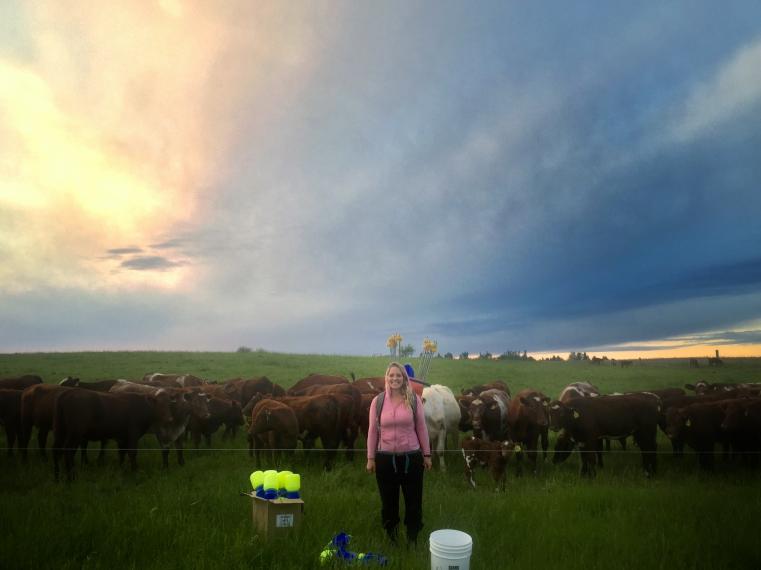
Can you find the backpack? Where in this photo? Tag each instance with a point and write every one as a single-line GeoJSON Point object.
{"type": "Point", "coordinates": [379, 408]}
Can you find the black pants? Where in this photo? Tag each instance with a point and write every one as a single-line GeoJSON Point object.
{"type": "Point", "coordinates": [404, 471]}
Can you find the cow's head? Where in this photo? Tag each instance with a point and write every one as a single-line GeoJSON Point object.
{"type": "Point", "coordinates": [677, 423]}
{"type": "Point", "coordinates": [479, 408]}
{"type": "Point", "coordinates": [507, 447]}
{"type": "Point", "coordinates": [561, 415]}
{"type": "Point", "coordinates": [536, 409]}
{"type": "Point", "coordinates": [199, 404]}
{"type": "Point", "coordinates": [733, 417]}
{"type": "Point", "coordinates": [249, 407]}
{"type": "Point", "coordinates": [163, 406]}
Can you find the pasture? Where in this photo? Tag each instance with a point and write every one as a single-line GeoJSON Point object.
{"type": "Point", "coordinates": [193, 516]}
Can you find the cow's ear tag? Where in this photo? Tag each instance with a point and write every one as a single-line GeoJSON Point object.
{"type": "Point", "coordinates": [576, 415]}
{"type": "Point", "coordinates": [688, 423]}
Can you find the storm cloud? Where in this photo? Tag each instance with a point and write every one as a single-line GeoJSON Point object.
{"type": "Point", "coordinates": [504, 177]}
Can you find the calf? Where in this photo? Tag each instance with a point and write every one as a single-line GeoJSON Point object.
{"type": "Point", "coordinates": [489, 414]}
{"type": "Point", "coordinates": [588, 420]}
{"type": "Point", "coordinates": [528, 421]}
{"type": "Point", "coordinates": [274, 426]}
{"type": "Point", "coordinates": [492, 455]}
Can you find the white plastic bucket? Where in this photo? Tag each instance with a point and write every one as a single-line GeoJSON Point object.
{"type": "Point", "coordinates": [450, 549]}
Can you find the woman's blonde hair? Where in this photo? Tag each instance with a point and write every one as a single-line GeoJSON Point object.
{"type": "Point", "coordinates": [406, 389]}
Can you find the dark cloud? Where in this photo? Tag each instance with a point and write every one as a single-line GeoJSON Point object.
{"type": "Point", "coordinates": [124, 250]}
{"type": "Point", "coordinates": [169, 244]}
{"type": "Point", "coordinates": [151, 263]}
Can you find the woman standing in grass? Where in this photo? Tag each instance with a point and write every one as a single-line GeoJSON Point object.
{"type": "Point", "coordinates": [398, 451]}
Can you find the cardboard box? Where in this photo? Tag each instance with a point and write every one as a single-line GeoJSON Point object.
{"type": "Point", "coordinates": [278, 516]}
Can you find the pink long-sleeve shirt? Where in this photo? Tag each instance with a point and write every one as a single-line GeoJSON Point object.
{"type": "Point", "coordinates": [398, 433]}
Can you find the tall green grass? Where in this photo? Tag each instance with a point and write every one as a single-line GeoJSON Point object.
{"type": "Point", "coordinates": [193, 517]}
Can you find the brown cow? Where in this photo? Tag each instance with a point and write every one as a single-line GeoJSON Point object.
{"type": "Point", "coordinates": [528, 420]}
{"type": "Point", "coordinates": [37, 409]}
{"type": "Point", "coordinates": [319, 416]}
{"type": "Point", "coordinates": [372, 385]}
{"type": "Point", "coordinates": [313, 380]}
{"type": "Point", "coordinates": [564, 445]}
{"type": "Point", "coordinates": [244, 390]}
{"type": "Point", "coordinates": [87, 415]}
{"type": "Point", "coordinates": [492, 455]}
{"type": "Point", "coordinates": [676, 402]}
{"type": "Point", "coordinates": [489, 414]}
{"type": "Point", "coordinates": [221, 412]}
{"type": "Point", "coordinates": [699, 426]}
{"type": "Point", "coordinates": [478, 389]}
{"type": "Point", "coordinates": [351, 410]}
{"type": "Point", "coordinates": [10, 415]}
{"type": "Point", "coordinates": [588, 420]}
{"type": "Point", "coordinates": [742, 424]}
{"type": "Point", "coordinates": [184, 403]}
{"type": "Point", "coordinates": [20, 382]}
{"type": "Point", "coordinates": [274, 426]}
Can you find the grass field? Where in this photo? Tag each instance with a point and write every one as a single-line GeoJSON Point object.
{"type": "Point", "coordinates": [193, 517]}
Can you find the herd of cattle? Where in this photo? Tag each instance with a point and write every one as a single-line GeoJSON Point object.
{"type": "Point", "coordinates": [335, 410]}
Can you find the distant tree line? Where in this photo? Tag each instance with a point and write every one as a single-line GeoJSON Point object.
{"type": "Point", "coordinates": [578, 356]}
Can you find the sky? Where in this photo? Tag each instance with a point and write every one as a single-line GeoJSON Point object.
{"type": "Point", "coordinates": [314, 177]}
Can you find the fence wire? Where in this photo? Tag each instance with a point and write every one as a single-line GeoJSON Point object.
{"type": "Point", "coordinates": [459, 452]}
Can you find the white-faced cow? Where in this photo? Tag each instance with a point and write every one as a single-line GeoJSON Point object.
{"type": "Point", "coordinates": [488, 413]}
